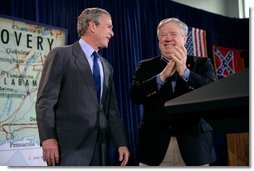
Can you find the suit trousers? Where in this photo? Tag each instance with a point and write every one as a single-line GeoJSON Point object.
{"type": "Point", "coordinates": [97, 156]}
{"type": "Point", "coordinates": [173, 155]}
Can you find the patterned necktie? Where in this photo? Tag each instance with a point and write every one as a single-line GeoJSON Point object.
{"type": "Point", "coordinates": [96, 74]}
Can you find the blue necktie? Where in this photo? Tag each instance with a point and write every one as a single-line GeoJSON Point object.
{"type": "Point", "coordinates": [96, 74]}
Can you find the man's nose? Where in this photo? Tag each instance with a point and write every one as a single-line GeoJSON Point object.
{"type": "Point", "coordinates": [112, 33]}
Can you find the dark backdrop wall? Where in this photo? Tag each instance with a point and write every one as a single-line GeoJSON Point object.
{"type": "Point", "coordinates": [135, 23]}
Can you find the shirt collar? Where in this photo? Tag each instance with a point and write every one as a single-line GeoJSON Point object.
{"type": "Point", "coordinates": [87, 49]}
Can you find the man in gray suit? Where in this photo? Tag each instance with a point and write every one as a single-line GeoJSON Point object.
{"type": "Point", "coordinates": [74, 124]}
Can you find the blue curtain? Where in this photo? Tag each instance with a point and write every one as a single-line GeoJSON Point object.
{"type": "Point", "coordinates": [135, 23]}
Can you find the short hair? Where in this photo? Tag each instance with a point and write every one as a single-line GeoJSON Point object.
{"type": "Point", "coordinates": [89, 14]}
{"type": "Point", "coordinates": [182, 25]}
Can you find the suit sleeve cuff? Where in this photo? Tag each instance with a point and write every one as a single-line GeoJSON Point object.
{"type": "Point", "coordinates": [186, 75]}
{"type": "Point", "coordinates": [159, 82]}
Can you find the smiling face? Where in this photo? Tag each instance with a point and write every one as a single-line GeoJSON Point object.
{"type": "Point", "coordinates": [103, 32]}
{"type": "Point", "coordinates": [170, 35]}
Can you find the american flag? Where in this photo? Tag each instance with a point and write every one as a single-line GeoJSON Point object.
{"type": "Point", "coordinates": [196, 42]}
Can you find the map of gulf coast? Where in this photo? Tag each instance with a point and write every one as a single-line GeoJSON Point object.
{"type": "Point", "coordinates": [23, 50]}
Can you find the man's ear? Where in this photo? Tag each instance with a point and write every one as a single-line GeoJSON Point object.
{"type": "Point", "coordinates": [92, 26]}
{"type": "Point", "coordinates": [185, 39]}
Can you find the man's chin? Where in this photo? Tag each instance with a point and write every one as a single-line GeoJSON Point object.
{"type": "Point", "coordinates": [104, 46]}
{"type": "Point", "coordinates": [168, 52]}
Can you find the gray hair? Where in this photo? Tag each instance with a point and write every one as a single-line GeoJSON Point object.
{"type": "Point", "coordinates": [89, 14]}
{"type": "Point", "coordinates": [183, 26]}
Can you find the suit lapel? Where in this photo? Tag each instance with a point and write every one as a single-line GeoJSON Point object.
{"type": "Point", "coordinates": [106, 72]}
{"type": "Point", "coordinates": [84, 68]}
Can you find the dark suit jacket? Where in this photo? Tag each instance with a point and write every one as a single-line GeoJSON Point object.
{"type": "Point", "coordinates": [157, 127]}
{"type": "Point", "coordinates": [67, 107]}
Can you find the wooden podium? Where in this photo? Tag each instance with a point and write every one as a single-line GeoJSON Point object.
{"type": "Point", "coordinates": [225, 105]}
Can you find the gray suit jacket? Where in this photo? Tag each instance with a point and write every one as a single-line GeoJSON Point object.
{"type": "Point", "coordinates": [67, 107]}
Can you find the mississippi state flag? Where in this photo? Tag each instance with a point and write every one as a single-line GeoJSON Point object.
{"type": "Point", "coordinates": [227, 61]}
{"type": "Point", "coordinates": [196, 42]}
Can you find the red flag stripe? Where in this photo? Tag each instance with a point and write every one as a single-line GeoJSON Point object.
{"type": "Point", "coordinates": [199, 42]}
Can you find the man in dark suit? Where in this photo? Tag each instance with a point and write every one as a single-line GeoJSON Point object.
{"type": "Point", "coordinates": [160, 79]}
{"type": "Point", "coordinates": [74, 123]}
